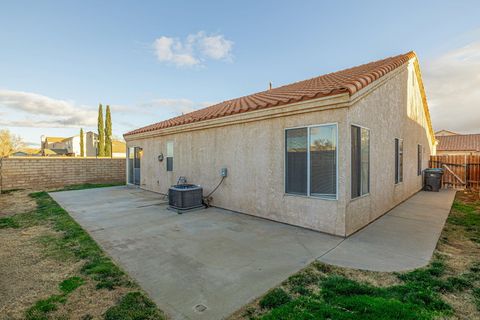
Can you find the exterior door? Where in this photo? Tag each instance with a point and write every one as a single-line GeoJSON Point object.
{"type": "Point", "coordinates": [134, 160]}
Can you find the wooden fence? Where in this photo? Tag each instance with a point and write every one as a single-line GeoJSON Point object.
{"type": "Point", "coordinates": [460, 171]}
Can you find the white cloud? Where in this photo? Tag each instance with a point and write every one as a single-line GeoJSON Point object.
{"type": "Point", "coordinates": [194, 50]}
{"type": "Point", "coordinates": [216, 47]}
{"type": "Point", "coordinates": [452, 81]}
{"type": "Point", "coordinates": [172, 50]}
{"type": "Point", "coordinates": [47, 112]}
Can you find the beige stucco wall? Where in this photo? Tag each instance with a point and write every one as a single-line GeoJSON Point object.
{"type": "Point", "coordinates": [393, 110]}
{"type": "Point", "coordinates": [254, 153]}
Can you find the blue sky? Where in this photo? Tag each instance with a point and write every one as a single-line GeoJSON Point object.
{"type": "Point", "coordinates": [152, 60]}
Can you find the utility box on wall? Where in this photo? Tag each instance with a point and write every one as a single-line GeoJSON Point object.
{"type": "Point", "coordinates": [223, 172]}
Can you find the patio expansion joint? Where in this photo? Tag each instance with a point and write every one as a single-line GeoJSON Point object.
{"type": "Point", "coordinates": [331, 249]}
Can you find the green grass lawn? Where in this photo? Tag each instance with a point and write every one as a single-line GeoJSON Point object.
{"type": "Point", "coordinates": [75, 244]}
{"type": "Point", "coordinates": [326, 292]}
{"type": "Point", "coordinates": [89, 186]}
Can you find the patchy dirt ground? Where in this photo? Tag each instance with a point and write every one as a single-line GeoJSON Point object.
{"type": "Point", "coordinates": [16, 202]}
{"type": "Point", "coordinates": [88, 303]}
{"type": "Point", "coordinates": [26, 274]}
{"type": "Point", "coordinates": [32, 270]}
{"type": "Point", "coordinates": [29, 274]}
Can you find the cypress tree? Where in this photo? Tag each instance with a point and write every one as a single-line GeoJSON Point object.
{"type": "Point", "coordinates": [82, 144]}
{"type": "Point", "coordinates": [108, 133]}
{"type": "Point", "coordinates": [101, 133]}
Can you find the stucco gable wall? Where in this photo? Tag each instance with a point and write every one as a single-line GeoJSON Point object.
{"type": "Point", "coordinates": [254, 154]}
{"type": "Point", "coordinates": [393, 110]}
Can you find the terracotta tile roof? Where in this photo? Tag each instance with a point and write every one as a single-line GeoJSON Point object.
{"type": "Point", "coordinates": [459, 142]}
{"type": "Point", "coordinates": [345, 81]}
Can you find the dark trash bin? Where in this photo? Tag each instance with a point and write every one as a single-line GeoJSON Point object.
{"type": "Point", "coordinates": [432, 179]}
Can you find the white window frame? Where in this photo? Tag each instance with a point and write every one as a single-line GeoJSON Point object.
{"type": "Point", "coordinates": [308, 161]}
{"type": "Point", "coordinates": [369, 160]}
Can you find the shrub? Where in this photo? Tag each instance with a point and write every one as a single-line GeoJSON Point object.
{"type": "Point", "coordinates": [134, 306]}
{"type": "Point", "coordinates": [303, 279]}
{"type": "Point", "coordinates": [8, 222]}
{"type": "Point", "coordinates": [70, 284]}
{"type": "Point", "coordinates": [274, 298]}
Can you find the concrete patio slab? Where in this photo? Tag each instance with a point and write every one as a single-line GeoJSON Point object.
{"type": "Point", "coordinates": [213, 258]}
{"type": "Point", "coordinates": [403, 239]}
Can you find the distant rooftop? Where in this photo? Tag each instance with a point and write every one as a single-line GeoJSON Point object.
{"type": "Point", "coordinates": [458, 142]}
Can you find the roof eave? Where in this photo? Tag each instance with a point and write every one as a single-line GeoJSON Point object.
{"type": "Point", "coordinates": [323, 103]}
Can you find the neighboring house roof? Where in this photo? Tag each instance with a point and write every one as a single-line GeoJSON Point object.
{"type": "Point", "coordinates": [459, 142]}
{"type": "Point", "coordinates": [119, 146]}
{"type": "Point", "coordinates": [48, 152]}
{"type": "Point", "coordinates": [54, 139]}
{"type": "Point", "coordinates": [20, 153]}
{"type": "Point", "coordinates": [445, 133]}
{"type": "Point", "coordinates": [29, 151]}
{"type": "Point", "coordinates": [52, 152]}
{"type": "Point", "coordinates": [345, 81]}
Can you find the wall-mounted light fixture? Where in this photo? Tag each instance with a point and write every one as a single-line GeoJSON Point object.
{"type": "Point", "coordinates": [160, 157]}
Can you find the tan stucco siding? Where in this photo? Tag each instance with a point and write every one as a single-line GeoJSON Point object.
{"type": "Point", "coordinates": [254, 155]}
{"type": "Point", "coordinates": [394, 110]}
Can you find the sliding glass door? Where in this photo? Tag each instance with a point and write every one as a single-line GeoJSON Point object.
{"type": "Point", "coordinates": [134, 159]}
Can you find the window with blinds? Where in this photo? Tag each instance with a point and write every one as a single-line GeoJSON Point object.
{"type": "Point", "coordinates": [360, 166]}
{"type": "Point", "coordinates": [311, 161]}
{"type": "Point", "coordinates": [398, 160]}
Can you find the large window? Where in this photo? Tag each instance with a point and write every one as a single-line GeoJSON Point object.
{"type": "Point", "coordinates": [419, 159]}
{"type": "Point", "coordinates": [398, 160]}
{"type": "Point", "coordinates": [311, 161]}
{"type": "Point", "coordinates": [360, 161]}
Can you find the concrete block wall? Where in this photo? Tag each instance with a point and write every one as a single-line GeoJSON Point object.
{"type": "Point", "coordinates": [48, 172]}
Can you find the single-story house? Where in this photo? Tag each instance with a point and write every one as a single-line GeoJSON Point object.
{"type": "Point", "coordinates": [331, 153]}
{"type": "Point", "coordinates": [457, 144]}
